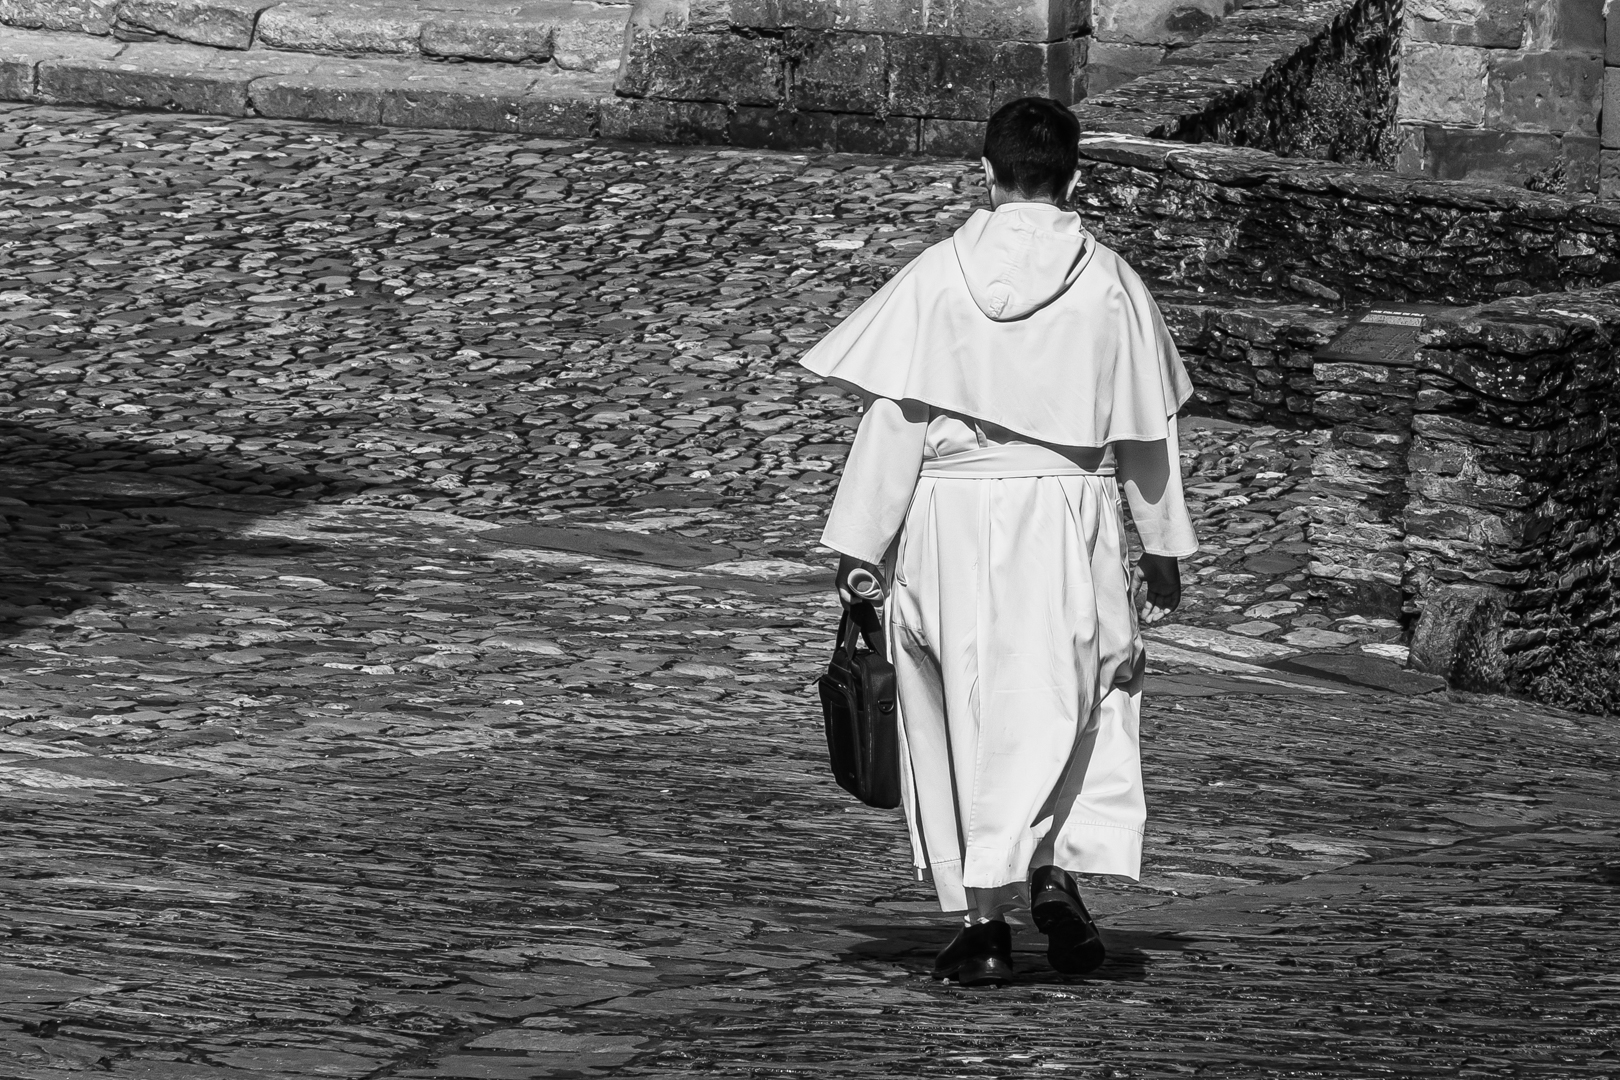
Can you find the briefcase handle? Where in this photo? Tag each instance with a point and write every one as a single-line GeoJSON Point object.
{"type": "Point", "coordinates": [863, 616]}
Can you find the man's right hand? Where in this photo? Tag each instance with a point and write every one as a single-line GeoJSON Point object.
{"type": "Point", "coordinates": [1161, 576]}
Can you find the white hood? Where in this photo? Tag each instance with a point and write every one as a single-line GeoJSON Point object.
{"type": "Point", "coordinates": [1020, 257]}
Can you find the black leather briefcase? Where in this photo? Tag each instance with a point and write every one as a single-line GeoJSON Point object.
{"type": "Point", "coordinates": [858, 703]}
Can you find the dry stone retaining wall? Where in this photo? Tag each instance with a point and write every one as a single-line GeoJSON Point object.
{"type": "Point", "coordinates": [1513, 520]}
{"type": "Point", "coordinates": [1244, 223]}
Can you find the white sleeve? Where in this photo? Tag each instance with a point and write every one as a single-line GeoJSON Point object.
{"type": "Point", "coordinates": [1150, 473]}
{"type": "Point", "coordinates": [878, 481]}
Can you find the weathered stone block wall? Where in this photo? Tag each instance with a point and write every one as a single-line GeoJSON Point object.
{"type": "Point", "coordinates": [1250, 224]}
{"type": "Point", "coordinates": [1506, 91]}
{"type": "Point", "coordinates": [868, 76]}
{"type": "Point", "coordinates": [1513, 519]}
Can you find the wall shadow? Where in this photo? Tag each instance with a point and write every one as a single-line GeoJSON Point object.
{"type": "Point", "coordinates": [83, 517]}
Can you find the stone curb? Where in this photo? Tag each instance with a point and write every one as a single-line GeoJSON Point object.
{"type": "Point", "coordinates": [50, 68]}
{"type": "Point", "coordinates": [579, 35]}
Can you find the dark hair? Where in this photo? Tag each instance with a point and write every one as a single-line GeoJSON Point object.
{"type": "Point", "coordinates": [1034, 146]}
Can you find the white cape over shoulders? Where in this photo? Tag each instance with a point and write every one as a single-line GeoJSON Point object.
{"type": "Point", "coordinates": [1022, 320]}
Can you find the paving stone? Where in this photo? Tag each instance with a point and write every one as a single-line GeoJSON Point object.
{"type": "Point", "coordinates": [1363, 670]}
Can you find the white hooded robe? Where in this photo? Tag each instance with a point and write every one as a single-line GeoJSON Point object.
{"type": "Point", "coordinates": [1011, 372]}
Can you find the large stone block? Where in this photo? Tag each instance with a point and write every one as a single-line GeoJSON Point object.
{"type": "Point", "coordinates": [1543, 91]}
{"type": "Point", "coordinates": [783, 129]}
{"type": "Point", "coordinates": [1492, 157]}
{"type": "Point", "coordinates": [1109, 64]}
{"type": "Point", "coordinates": [378, 27]}
{"type": "Point", "coordinates": [1609, 174]}
{"type": "Point", "coordinates": [1009, 20]}
{"type": "Point", "coordinates": [78, 16]}
{"type": "Point", "coordinates": [962, 78]}
{"type": "Point", "coordinates": [488, 36]}
{"type": "Point", "coordinates": [512, 99]}
{"type": "Point", "coordinates": [149, 77]}
{"type": "Point", "coordinates": [1611, 108]}
{"type": "Point", "coordinates": [1611, 34]}
{"type": "Point", "coordinates": [1582, 163]}
{"type": "Point", "coordinates": [346, 92]}
{"type": "Point", "coordinates": [783, 15]}
{"type": "Point", "coordinates": [702, 67]}
{"type": "Point", "coordinates": [1459, 636]}
{"type": "Point", "coordinates": [1156, 22]}
{"type": "Point", "coordinates": [590, 39]}
{"type": "Point", "coordinates": [838, 72]}
{"type": "Point", "coordinates": [952, 138]}
{"type": "Point", "coordinates": [639, 120]}
{"type": "Point", "coordinates": [225, 24]}
{"type": "Point", "coordinates": [22, 51]}
{"type": "Point", "coordinates": [1496, 24]}
{"type": "Point", "coordinates": [1558, 25]}
{"type": "Point", "coordinates": [1442, 84]}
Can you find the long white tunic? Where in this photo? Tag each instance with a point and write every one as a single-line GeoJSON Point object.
{"type": "Point", "coordinates": [1013, 635]}
{"type": "Point", "coordinates": [1010, 372]}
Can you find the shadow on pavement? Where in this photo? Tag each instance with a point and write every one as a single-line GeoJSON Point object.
{"type": "Point", "coordinates": [914, 948]}
{"type": "Point", "coordinates": [82, 518]}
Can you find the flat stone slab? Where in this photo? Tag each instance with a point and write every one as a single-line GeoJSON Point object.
{"type": "Point", "coordinates": [114, 769]}
{"type": "Point", "coordinates": [1218, 641]}
{"type": "Point", "coordinates": [660, 549]}
{"type": "Point", "coordinates": [1360, 669]}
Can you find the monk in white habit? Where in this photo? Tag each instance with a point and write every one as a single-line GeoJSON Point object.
{"type": "Point", "coordinates": [1017, 379]}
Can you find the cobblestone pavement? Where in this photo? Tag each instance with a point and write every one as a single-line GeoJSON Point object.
{"type": "Point", "coordinates": [412, 595]}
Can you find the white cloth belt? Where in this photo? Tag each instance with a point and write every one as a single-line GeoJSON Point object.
{"type": "Point", "coordinates": [1008, 460]}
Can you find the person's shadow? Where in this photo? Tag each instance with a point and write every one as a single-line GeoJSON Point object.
{"type": "Point", "coordinates": [83, 518]}
{"type": "Point", "coordinates": [913, 947]}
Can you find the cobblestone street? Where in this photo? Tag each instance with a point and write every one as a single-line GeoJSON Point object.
{"type": "Point", "coordinates": [410, 603]}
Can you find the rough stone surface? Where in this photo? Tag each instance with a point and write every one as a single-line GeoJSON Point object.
{"type": "Point", "coordinates": [839, 73]}
{"type": "Point", "coordinates": [673, 122]}
{"type": "Point", "coordinates": [1252, 223]}
{"type": "Point", "coordinates": [702, 67]}
{"type": "Point", "coordinates": [225, 24]}
{"type": "Point", "coordinates": [529, 35]}
{"type": "Point", "coordinates": [1544, 91]}
{"type": "Point", "coordinates": [1611, 108]}
{"type": "Point", "coordinates": [1513, 488]}
{"type": "Point", "coordinates": [1443, 84]}
{"type": "Point", "coordinates": [962, 78]}
{"type": "Point", "coordinates": [76, 16]}
{"type": "Point", "coordinates": [1496, 24]}
{"type": "Point", "coordinates": [153, 76]}
{"type": "Point", "coordinates": [21, 52]}
{"type": "Point", "coordinates": [356, 27]}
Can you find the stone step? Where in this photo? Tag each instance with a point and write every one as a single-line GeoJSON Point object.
{"type": "Point", "coordinates": [405, 91]}
{"type": "Point", "coordinates": [574, 35]}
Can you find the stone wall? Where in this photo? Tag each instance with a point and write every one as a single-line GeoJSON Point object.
{"type": "Point", "coordinates": [1506, 91]}
{"type": "Point", "coordinates": [1333, 99]}
{"type": "Point", "coordinates": [865, 76]}
{"type": "Point", "coordinates": [1253, 363]}
{"type": "Point", "coordinates": [1475, 491]}
{"type": "Point", "coordinates": [1248, 224]}
{"type": "Point", "coordinates": [1513, 520]}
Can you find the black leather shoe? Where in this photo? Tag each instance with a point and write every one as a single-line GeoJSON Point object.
{"type": "Point", "coordinates": [981, 955]}
{"type": "Point", "coordinates": [1073, 945]}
